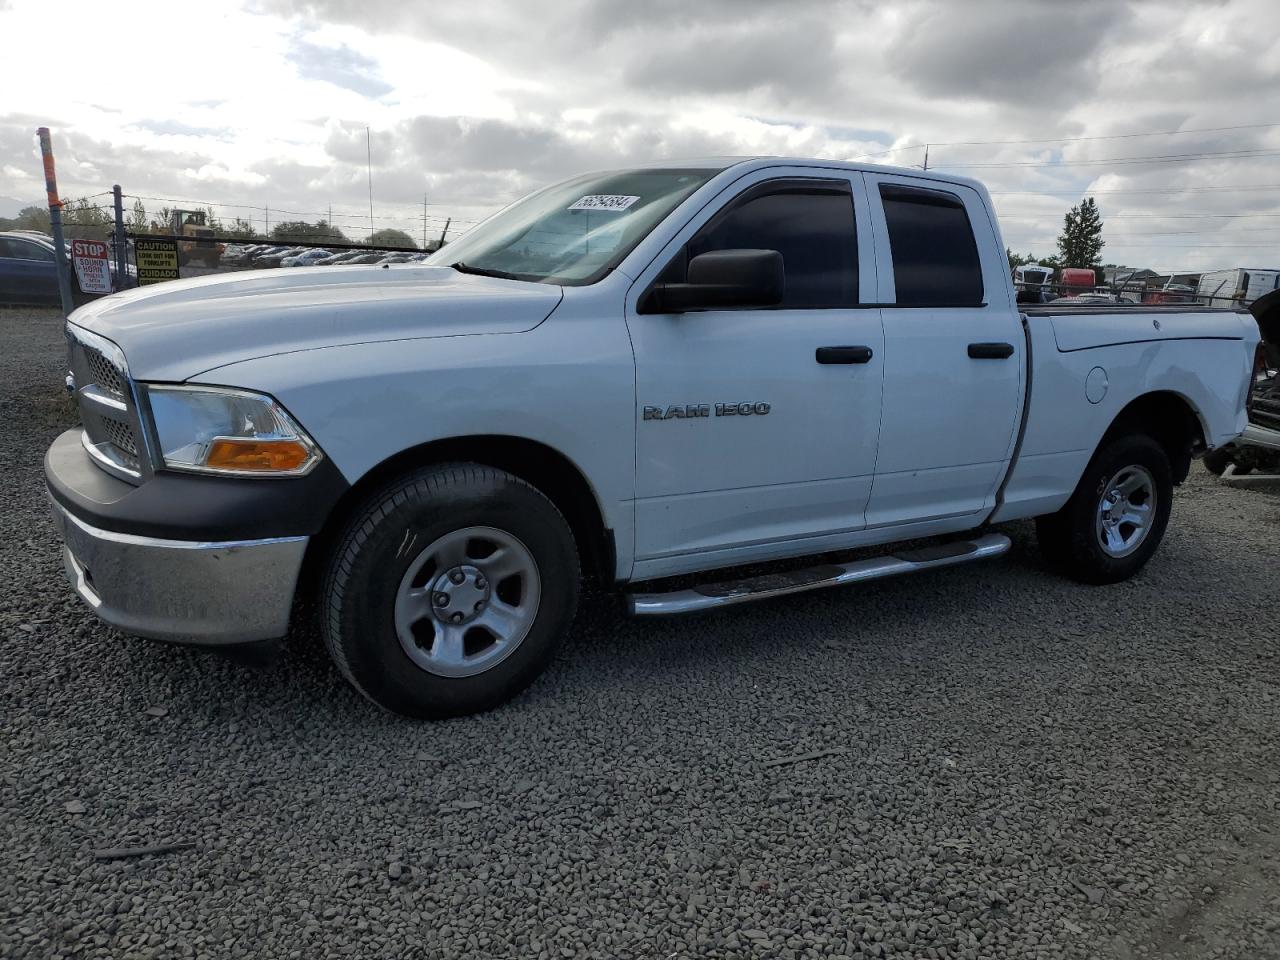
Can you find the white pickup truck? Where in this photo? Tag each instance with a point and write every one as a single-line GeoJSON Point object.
{"type": "Point", "coordinates": [649, 372]}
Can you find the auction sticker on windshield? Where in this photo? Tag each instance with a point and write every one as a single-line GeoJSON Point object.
{"type": "Point", "coordinates": [604, 201]}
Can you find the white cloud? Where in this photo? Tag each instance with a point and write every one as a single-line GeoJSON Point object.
{"type": "Point", "coordinates": [265, 103]}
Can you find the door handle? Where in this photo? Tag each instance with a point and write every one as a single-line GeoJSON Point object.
{"type": "Point", "coordinates": [990, 351]}
{"type": "Point", "coordinates": [843, 355]}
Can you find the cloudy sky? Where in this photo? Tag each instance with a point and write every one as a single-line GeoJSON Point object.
{"type": "Point", "coordinates": [264, 104]}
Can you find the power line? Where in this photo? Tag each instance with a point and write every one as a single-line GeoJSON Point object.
{"type": "Point", "coordinates": [1121, 161]}
{"type": "Point", "coordinates": [1161, 191]}
{"type": "Point", "coordinates": [1111, 136]}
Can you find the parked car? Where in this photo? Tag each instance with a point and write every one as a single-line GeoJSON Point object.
{"type": "Point", "coordinates": [634, 375]}
{"type": "Point", "coordinates": [341, 257]}
{"type": "Point", "coordinates": [365, 258]}
{"type": "Point", "coordinates": [307, 258]}
{"type": "Point", "coordinates": [276, 257]}
{"type": "Point", "coordinates": [29, 272]}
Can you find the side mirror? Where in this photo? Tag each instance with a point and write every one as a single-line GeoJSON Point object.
{"type": "Point", "coordinates": [722, 278]}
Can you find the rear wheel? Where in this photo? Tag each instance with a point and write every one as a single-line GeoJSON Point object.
{"type": "Point", "coordinates": [450, 591]}
{"type": "Point", "coordinates": [1117, 516]}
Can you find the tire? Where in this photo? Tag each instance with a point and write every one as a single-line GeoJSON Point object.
{"type": "Point", "coordinates": [1216, 461]}
{"type": "Point", "coordinates": [381, 605]}
{"type": "Point", "coordinates": [1093, 546]}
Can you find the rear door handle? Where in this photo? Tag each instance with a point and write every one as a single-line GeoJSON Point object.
{"type": "Point", "coordinates": [843, 355]}
{"type": "Point", "coordinates": [990, 351]}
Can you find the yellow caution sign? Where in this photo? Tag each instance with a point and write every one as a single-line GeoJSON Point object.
{"type": "Point", "coordinates": [157, 260]}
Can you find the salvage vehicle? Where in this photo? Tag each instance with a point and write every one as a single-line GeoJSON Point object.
{"type": "Point", "coordinates": [1258, 447]}
{"type": "Point", "coordinates": [633, 375]}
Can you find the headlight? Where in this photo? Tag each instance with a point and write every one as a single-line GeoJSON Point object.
{"type": "Point", "coordinates": [224, 431]}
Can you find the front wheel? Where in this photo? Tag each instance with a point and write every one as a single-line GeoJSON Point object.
{"type": "Point", "coordinates": [1117, 516]}
{"type": "Point", "coordinates": [450, 591]}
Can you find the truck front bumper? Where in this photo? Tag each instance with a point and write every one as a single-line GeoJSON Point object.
{"type": "Point", "coordinates": [192, 559]}
{"type": "Point", "coordinates": [223, 592]}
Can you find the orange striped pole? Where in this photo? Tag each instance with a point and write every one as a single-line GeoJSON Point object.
{"type": "Point", "coordinates": [55, 220]}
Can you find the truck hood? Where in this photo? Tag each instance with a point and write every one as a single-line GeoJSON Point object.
{"type": "Point", "coordinates": [173, 331]}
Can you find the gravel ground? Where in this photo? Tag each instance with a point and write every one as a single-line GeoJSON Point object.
{"type": "Point", "coordinates": [1013, 766]}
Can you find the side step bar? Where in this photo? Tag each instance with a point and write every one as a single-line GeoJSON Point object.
{"type": "Point", "coordinates": [727, 592]}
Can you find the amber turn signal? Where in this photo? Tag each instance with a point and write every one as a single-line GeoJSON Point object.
{"type": "Point", "coordinates": [273, 456]}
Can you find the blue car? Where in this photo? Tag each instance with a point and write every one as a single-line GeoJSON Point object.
{"type": "Point", "coordinates": [29, 274]}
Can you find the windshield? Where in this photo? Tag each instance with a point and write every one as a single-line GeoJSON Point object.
{"type": "Point", "coordinates": [575, 232]}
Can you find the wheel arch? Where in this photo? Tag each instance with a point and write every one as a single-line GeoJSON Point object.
{"type": "Point", "coordinates": [548, 470]}
{"type": "Point", "coordinates": [1171, 419]}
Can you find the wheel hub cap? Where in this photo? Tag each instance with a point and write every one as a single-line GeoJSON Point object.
{"type": "Point", "coordinates": [1126, 511]}
{"type": "Point", "coordinates": [460, 594]}
{"type": "Point", "coordinates": [467, 601]}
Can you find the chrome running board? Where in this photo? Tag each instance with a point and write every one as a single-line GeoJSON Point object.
{"type": "Point", "coordinates": [768, 585]}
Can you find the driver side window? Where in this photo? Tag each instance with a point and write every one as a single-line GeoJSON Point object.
{"type": "Point", "coordinates": [809, 222]}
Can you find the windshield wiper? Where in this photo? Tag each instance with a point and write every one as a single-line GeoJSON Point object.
{"type": "Point", "coordinates": [485, 272]}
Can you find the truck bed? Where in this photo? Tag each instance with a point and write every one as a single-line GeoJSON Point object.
{"type": "Point", "coordinates": [1086, 326]}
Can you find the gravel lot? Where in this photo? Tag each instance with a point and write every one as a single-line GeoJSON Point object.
{"type": "Point", "coordinates": [1016, 766]}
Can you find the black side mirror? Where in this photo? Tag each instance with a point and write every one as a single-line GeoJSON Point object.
{"type": "Point", "coordinates": [722, 278]}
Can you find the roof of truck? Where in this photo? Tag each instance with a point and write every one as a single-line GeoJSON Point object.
{"type": "Point", "coordinates": [758, 162]}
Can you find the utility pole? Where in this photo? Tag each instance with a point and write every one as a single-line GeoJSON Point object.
{"type": "Point", "coordinates": [121, 242]}
{"type": "Point", "coordinates": [424, 221]}
{"type": "Point", "coordinates": [368, 166]}
{"type": "Point", "coordinates": [55, 221]}
{"type": "Point", "coordinates": [444, 231]}
{"type": "Point", "coordinates": [266, 221]}
{"type": "Point", "coordinates": [926, 156]}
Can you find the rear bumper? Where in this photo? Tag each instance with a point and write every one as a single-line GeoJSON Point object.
{"type": "Point", "coordinates": [1260, 437]}
{"type": "Point", "coordinates": [222, 592]}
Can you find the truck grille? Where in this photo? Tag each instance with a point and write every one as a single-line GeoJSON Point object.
{"type": "Point", "coordinates": [108, 412]}
{"type": "Point", "coordinates": [104, 373]}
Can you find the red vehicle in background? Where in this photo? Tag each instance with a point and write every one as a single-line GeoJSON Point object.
{"type": "Point", "coordinates": [1076, 280]}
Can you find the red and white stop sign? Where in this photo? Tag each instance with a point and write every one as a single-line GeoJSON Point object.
{"type": "Point", "coordinates": [91, 263]}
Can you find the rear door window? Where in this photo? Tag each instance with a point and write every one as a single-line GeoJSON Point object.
{"type": "Point", "coordinates": [935, 256]}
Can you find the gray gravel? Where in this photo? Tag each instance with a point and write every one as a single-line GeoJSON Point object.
{"type": "Point", "coordinates": [1006, 765]}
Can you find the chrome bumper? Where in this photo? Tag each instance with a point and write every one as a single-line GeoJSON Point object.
{"type": "Point", "coordinates": [182, 590]}
{"type": "Point", "coordinates": [1260, 437]}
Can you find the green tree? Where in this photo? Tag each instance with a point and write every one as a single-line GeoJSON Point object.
{"type": "Point", "coordinates": [30, 218]}
{"type": "Point", "coordinates": [1081, 243]}
{"type": "Point", "coordinates": [136, 221]}
{"type": "Point", "coordinates": [239, 228]}
{"type": "Point", "coordinates": [87, 221]}
{"type": "Point", "coordinates": [299, 231]}
{"type": "Point", "coordinates": [391, 238]}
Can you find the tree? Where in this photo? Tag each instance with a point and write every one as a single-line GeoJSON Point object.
{"type": "Point", "coordinates": [136, 222]}
{"type": "Point", "coordinates": [29, 218]}
{"type": "Point", "coordinates": [1081, 241]}
{"type": "Point", "coordinates": [239, 228]}
{"type": "Point", "coordinates": [391, 238]}
{"type": "Point", "coordinates": [299, 231]}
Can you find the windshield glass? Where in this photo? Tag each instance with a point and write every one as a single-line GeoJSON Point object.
{"type": "Point", "coordinates": [577, 231]}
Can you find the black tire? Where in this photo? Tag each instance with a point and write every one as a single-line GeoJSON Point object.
{"type": "Point", "coordinates": [1069, 539]}
{"type": "Point", "coordinates": [1217, 461]}
{"type": "Point", "coordinates": [370, 560]}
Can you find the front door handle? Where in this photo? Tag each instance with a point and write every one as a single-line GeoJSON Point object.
{"type": "Point", "coordinates": [990, 351]}
{"type": "Point", "coordinates": [843, 355]}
